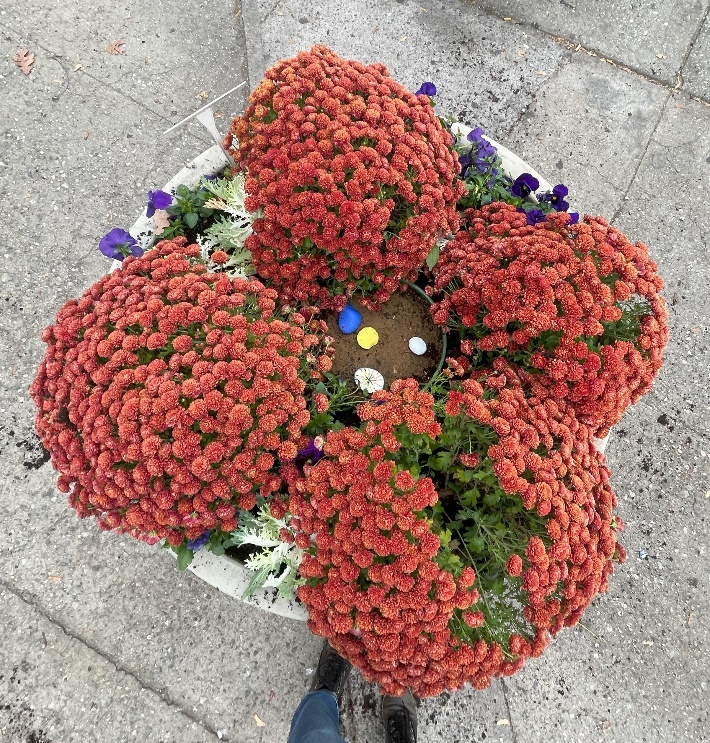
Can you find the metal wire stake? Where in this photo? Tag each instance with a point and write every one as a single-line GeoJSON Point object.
{"type": "Point", "coordinates": [205, 115]}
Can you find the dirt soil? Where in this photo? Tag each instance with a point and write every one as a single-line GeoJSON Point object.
{"type": "Point", "coordinates": [400, 318]}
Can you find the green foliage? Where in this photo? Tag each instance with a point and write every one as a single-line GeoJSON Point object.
{"type": "Point", "coordinates": [478, 523]}
{"type": "Point", "coordinates": [342, 405]}
{"type": "Point", "coordinates": [433, 257]}
{"type": "Point", "coordinates": [275, 564]}
{"type": "Point", "coordinates": [628, 326]}
{"type": "Point", "coordinates": [184, 555]}
{"type": "Point", "coordinates": [213, 214]}
{"type": "Point", "coordinates": [187, 211]}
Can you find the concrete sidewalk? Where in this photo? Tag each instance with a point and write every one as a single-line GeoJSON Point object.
{"type": "Point", "coordinates": [102, 639]}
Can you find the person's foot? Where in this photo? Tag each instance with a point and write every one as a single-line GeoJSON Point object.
{"type": "Point", "coordinates": [332, 672]}
{"type": "Point", "coordinates": [399, 716]}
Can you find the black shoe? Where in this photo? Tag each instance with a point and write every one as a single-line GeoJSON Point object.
{"type": "Point", "coordinates": [332, 672]}
{"type": "Point", "coordinates": [399, 716]}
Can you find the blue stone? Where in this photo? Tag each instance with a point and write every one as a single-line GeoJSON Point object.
{"type": "Point", "coordinates": [349, 319]}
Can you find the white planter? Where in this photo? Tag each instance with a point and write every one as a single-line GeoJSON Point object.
{"type": "Point", "coordinates": [225, 573]}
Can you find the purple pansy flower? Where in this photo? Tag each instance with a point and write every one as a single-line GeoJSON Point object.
{"type": "Point", "coordinates": [427, 89]}
{"type": "Point", "coordinates": [311, 453]}
{"type": "Point", "coordinates": [524, 185]}
{"type": "Point", "coordinates": [118, 244]}
{"type": "Point", "coordinates": [534, 216]}
{"type": "Point", "coordinates": [197, 544]}
{"type": "Point", "coordinates": [556, 197]}
{"type": "Point", "coordinates": [157, 200]}
{"type": "Point", "coordinates": [573, 217]}
{"type": "Point", "coordinates": [464, 162]}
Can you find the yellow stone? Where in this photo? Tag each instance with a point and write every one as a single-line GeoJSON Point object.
{"type": "Point", "coordinates": [367, 338]}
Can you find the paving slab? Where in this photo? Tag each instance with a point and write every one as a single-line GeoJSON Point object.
{"type": "Point", "coordinates": [175, 56]}
{"type": "Point", "coordinates": [486, 71]}
{"type": "Point", "coordinates": [651, 36]}
{"type": "Point", "coordinates": [666, 208]}
{"type": "Point", "coordinates": [217, 659]}
{"type": "Point", "coordinates": [696, 71]}
{"type": "Point", "coordinates": [55, 688]}
{"type": "Point", "coordinates": [587, 127]}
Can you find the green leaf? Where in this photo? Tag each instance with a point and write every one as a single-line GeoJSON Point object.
{"type": "Point", "coordinates": [441, 460]}
{"type": "Point", "coordinates": [476, 544]}
{"type": "Point", "coordinates": [184, 556]}
{"type": "Point", "coordinates": [191, 219]}
{"type": "Point", "coordinates": [464, 475]}
{"type": "Point", "coordinates": [433, 257]}
{"type": "Point", "coordinates": [255, 582]}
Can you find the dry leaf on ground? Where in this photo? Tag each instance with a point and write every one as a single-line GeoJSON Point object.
{"type": "Point", "coordinates": [24, 59]}
{"type": "Point", "coordinates": [116, 47]}
{"type": "Point", "coordinates": [203, 95]}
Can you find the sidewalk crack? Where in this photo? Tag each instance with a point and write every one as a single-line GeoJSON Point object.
{"type": "Point", "coordinates": [563, 61]}
{"type": "Point", "coordinates": [575, 46]}
{"type": "Point", "coordinates": [507, 707]}
{"type": "Point", "coordinates": [163, 695]}
{"type": "Point", "coordinates": [650, 139]}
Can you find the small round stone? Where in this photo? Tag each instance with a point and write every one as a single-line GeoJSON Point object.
{"type": "Point", "coordinates": [349, 319]}
{"type": "Point", "coordinates": [417, 345]}
{"type": "Point", "coordinates": [367, 338]}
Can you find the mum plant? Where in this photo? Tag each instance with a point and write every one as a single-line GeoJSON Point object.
{"type": "Point", "coordinates": [168, 395]}
{"type": "Point", "coordinates": [354, 174]}
{"type": "Point", "coordinates": [576, 306]}
{"type": "Point", "coordinates": [453, 533]}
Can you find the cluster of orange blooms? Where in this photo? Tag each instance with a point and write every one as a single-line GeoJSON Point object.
{"type": "Point", "coordinates": [375, 590]}
{"type": "Point", "coordinates": [354, 174]}
{"type": "Point", "coordinates": [168, 395]}
{"type": "Point", "coordinates": [562, 294]}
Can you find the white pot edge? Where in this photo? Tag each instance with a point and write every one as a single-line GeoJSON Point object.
{"type": "Point", "coordinates": [225, 573]}
{"type": "Point", "coordinates": [231, 577]}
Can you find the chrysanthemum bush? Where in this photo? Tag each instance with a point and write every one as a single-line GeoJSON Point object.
{"type": "Point", "coordinates": [437, 536]}
{"type": "Point", "coordinates": [354, 173]}
{"type": "Point", "coordinates": [577, 306]}
{"type": "Point", "coordinates": [168, 395]}
{"type": "Point", "coordinates": [452, 537]}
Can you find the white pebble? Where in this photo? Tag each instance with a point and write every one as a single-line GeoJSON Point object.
{"type": "Point", "coordinates": [417, 345]}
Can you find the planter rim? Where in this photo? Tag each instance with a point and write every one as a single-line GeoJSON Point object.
{"type": "Point", "coordinates": [225, 573]}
